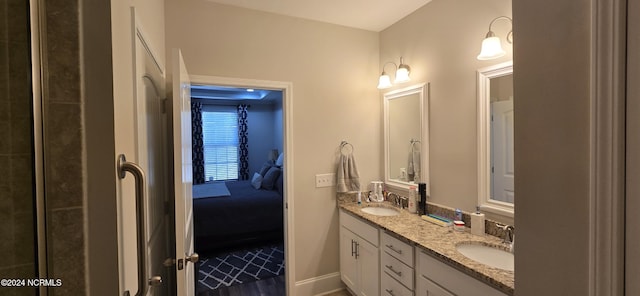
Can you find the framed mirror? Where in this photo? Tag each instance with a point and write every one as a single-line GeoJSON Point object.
{"type": "Point", "coordinates": [406, 140]}
{"type": "Point", "coordinates": [496, 172]}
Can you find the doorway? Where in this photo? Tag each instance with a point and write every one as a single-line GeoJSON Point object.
{"type": "Point", "coordinates": [241, 222]}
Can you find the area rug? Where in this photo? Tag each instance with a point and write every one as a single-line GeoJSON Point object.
{"type": "Point", "coordinates": [240, 267]}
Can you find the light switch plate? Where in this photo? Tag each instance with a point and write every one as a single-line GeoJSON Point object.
{"type": "Point", "coordinates": [325, 180]}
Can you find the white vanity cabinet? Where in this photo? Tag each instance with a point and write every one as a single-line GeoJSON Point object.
{"type": "Point", "coordinates": [434, 278]}
{"type": "Point", "coordinates": [396, 266]}
{"type": "Point", "coordinates": [359, 256]}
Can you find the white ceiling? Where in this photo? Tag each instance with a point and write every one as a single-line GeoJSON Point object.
{"type": "Point", "coordinates": [372, 15]}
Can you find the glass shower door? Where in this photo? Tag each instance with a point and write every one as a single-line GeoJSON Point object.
{"type": "Point", "coordinates": [18, 235]}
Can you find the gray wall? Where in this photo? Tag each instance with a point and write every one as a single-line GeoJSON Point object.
{"type": "Point", "coordinates": [501, 88]}
{"type": "Point", "coordinates": [552, 101]}
{"type": "Point", "coordinates": [262, 135]}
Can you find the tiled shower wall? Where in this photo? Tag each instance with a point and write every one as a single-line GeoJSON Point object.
{"type": "Point", "coordinates": [17, 233]}
{"type": "Point", "coordinates": [62, 118]}
{"type": "Point", "coordinates": [62, 121]}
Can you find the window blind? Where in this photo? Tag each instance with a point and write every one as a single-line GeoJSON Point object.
{"type": "Point", "coordinates": [220, 139]}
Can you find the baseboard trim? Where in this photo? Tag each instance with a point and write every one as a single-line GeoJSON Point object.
{"type": "Point", "coordinates": [320, 285]}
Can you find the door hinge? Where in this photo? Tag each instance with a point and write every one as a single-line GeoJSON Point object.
{"type": "Point", "coordinates": [286, 205]}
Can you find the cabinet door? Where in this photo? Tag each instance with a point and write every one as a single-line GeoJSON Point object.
{"type": "Point", "coordinates": [425, 287]}
{"type": "Point", "coordinates": [348, 262]}
{"type": "Point", "coordinates": [368, 269]}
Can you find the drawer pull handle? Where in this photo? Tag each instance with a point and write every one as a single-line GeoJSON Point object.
{"type": "Point", "coordinates": [394, 249]}
{"type": "Point", "coordinates": [399, 273]}
{"type": "Point", "coordinates": [357, 250]}
{"type": "Point", "coordinates": [390, 292]}
{"type": "Point", "coordinates": [353, 248]}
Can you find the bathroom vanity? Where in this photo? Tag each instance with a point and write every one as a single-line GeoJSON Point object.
{"type": "Point", "coordinates": [404, 255]}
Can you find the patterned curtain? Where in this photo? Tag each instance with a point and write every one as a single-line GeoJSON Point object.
{"type": "Point", "coordinates": [243, 137]}
{"type": "Point", "coordinates": [196, 143]}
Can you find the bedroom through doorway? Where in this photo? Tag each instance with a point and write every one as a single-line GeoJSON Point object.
{"type": "Point", "coordinates": [239, 203]}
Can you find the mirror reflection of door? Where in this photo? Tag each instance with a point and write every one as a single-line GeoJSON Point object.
{"type": "Point", "coordinates": [404, 131]}
{"type": "Point", "coordinates": [502, 172]}
{"type": "Point", "coordinates": [502, 132]}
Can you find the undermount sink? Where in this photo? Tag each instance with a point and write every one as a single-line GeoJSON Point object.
{"type": "Point", "coordinates": [380, 211]}
{"type": "Point", "coordinates": [488, 255]}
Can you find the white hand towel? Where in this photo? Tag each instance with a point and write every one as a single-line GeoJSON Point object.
{"type": "Point", "coordinates": [413, 166]}
{"type": "Point", "coordinates": [347, 176]}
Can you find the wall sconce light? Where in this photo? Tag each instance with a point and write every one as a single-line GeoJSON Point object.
{"type": "Point", "coordinates": [402, 74]}
{"type": "Point", "coordinates": [491, 47]}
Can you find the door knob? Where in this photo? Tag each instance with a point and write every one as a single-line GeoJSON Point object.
{"type": "Point", "coordinates": [193, 258]}
{"type": "Point", "coordinates": [155, 281]}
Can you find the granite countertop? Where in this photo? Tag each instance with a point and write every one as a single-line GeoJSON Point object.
{"type": "Point", "coordinates": [439, 242]}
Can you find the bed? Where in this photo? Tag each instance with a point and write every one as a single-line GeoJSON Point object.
{"type": "Point", "coordinates": [245, 216]}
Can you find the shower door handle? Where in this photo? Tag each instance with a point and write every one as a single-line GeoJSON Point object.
{"type": "Point", "coordinates": [123, 167]}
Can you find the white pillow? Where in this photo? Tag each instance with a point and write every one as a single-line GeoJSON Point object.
{"type": "Point", "coordinates": [280, 160]}
{"type": "Point", "coordinates": [256, 181]}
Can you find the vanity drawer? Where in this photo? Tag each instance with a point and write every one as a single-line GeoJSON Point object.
{"type": "Point", "coordinates": [359, 227]}
{"type": "Point", "coordinates": [397, 270]}
{"type": "Point", "coordinates": [391, 287]}
{"type": "Point", "coordinates": [426, 287]}
{"type": "Point", "coordinates": [397, 248]}
{"type": "Point", "coordinates": [450, 278]}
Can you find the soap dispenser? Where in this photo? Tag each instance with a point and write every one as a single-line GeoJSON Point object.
{"type": "Point", "coordinates": [477, 222]}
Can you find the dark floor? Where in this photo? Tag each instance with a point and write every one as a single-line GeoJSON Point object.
{"type": "Point", "coordinates": [274, 286]}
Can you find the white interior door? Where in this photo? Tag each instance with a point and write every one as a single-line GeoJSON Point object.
{"type": "Point", "coordinates": [185, 256]}
{"type": "Point", "coordinates": [502, 151]}
{"type": "Point", "coordinates": [151, 154]}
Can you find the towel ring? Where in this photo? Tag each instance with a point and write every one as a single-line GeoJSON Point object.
{"type": "Point", "coordinates": [342, 145]}
{"type": "Point", "coordinates": [413, 143]}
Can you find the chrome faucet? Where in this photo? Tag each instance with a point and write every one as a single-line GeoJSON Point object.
{"type": "Point", "coordinates": [393, 197]}
{"type": "Point", "coordinates": [403, 202]}
{"type": "Point", "coordinates": [509, 236]}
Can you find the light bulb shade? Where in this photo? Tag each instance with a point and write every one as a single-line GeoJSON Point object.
{"type": "Point", "coordinates": [491, 49]}
{"type": "Point", "coordinates": [402, 74]}
{"type": "Point", "coordinates": [384, 81]}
